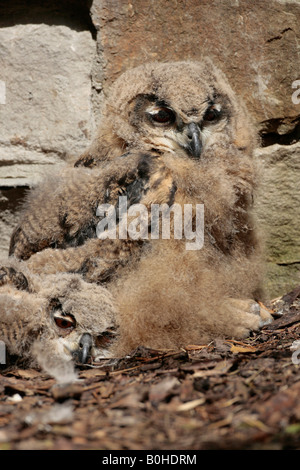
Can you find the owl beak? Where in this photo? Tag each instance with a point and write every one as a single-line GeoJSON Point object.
{"type": "Point", "coordinates": [85, 346]}
{"type": "Point", "coordinates": [195, 144]}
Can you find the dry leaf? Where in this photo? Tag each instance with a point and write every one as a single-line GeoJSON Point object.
{"type": "Point", "coordinates": [190, 405]}
{"type": "Point", "coordinates": [163, 389]}
{"type": "Point", "coordinates": [266, 308]}
{"type": "Point", "coordinates": [242, 349]}
{"type": "Point", "coordinates": [255, 423]}
{"type": "Point", "coordinates": [195, 347]}
{"type": "Point", "coordinates": [220, 369]}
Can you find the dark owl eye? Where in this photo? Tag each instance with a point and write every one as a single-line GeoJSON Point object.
{"type": "Point", "coordinates": [104, 340]}
{"type": "Point", "coordinates": [163, 116]}
{"type": "Point", "coordinates": [64, 321]}
{"type": "Point", "coordinates": [212, 114]}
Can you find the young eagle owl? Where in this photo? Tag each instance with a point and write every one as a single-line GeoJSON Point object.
{"type": "Point", "coordinates": [175, 134]}
{"type": "Point", "coordinates": [54, 321]}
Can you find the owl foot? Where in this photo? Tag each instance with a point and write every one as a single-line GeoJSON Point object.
{"type": "Point", "coordinates": [246, 316]}
{"type": "Point", "coordinates": [9, 275]}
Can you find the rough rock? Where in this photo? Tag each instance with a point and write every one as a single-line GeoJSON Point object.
{"type": "Point", "coordinates": [278, 211]}
{"type": "Point", "coordinates": [278, 204]}
{"type": "Point", "coordinates": [46, 116]}
{"type": "Point", "coordinates": [255, 43]}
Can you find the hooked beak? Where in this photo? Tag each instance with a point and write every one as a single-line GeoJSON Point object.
{"type": "Point", "coordinates": [195, 145]}
{"type": "Point", "coordinates": [85, 346]}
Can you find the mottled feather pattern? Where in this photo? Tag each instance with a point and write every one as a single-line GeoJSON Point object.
{"type": "Point", "coordinates": [170, 133]}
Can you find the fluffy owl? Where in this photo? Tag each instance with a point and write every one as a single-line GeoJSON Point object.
{"type": "Point", "coordinates": [172, 134]}
{"type": "Point", "coordinates": [54, 321]}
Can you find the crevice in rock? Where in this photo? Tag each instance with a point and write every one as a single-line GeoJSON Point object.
{"type": "Point", "coordinates": [11, 199]}
{"type": "Point", "coordinates": [30, 148]}
{"type": "Point", "coordinates": [72, 13]}
{"type": "Point", "coordinates": [280, 35]}
{"type": "Point", "coordinates": [288, 263]}
{"type": "Point", "coordinates": [271, 135]}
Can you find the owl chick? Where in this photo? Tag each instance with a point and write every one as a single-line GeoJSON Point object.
{"type": "Point", "coordinates": [173, 134]}
{"type": "Point", "coordinates": [54, 321]}
{"type": "Point", "coordinates": [171, 107]}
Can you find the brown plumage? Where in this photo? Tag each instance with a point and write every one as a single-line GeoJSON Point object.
{"type": "Point", "coordinates": [54, 321]}
{"type": "Point", "coordinates": [189, 88]}
{"type": "Point", "coordinates": [172, 133]}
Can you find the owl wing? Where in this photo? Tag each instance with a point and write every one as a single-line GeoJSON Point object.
{"type": "Point", "coordinates": [9, 275]}
{"type": "Point", "coordinates": [59, 226]}
{"type": "Point", "coordinates": [62, 211]}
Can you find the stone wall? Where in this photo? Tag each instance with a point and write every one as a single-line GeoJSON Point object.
{"type": "Point", "coordinates": [57, 62]}
{"type": "Point", "coordinates": [46, 116]}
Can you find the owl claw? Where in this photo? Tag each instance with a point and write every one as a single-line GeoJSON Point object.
{"type": "Point", "coordinates": [247, 316]}
{"type": "Point", "coordinates": [265, 322]}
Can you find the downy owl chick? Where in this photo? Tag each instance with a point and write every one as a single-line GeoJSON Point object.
{"type": "Point", "coordinates": [175, 134]}
{"type": "Point", "coordinates": [54, 321]}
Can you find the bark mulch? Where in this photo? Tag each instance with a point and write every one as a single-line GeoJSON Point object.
{"type": "Point", "coordinates": [223, 395]}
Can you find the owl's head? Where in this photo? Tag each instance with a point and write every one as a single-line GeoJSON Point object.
{"type": "Point", "coordinates": [187, 106]}
{"type": "Point", "coordinates": [80, 317]}
{"type": "Point", "coordinates": [54, 320]}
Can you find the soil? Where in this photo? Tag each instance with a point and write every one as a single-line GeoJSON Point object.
{"type": "Point", "coordinates": [223, 395]}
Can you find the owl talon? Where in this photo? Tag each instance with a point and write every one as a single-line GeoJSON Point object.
{"type": "Point", "coordinates": [250, 316]}
{"type": "Point", "coordinates": [265, 322]}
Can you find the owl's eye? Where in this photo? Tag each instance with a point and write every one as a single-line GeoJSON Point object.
{"type": "Point", "coordinates": [64, 321]}
{"type": "Point", "coordinates": [211, 114]}
{"type": "Point", "coordinates": [105, 339]}
{"type": "Point", "coordinates": [164, 116]}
